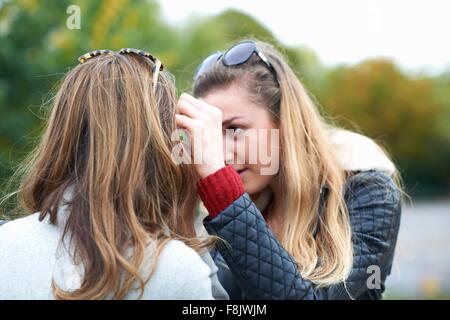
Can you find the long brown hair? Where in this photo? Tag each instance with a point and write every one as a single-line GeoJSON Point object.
{"type": "Point", "coordinates": [307, 162]}
{"type": "Point", "coordinates": [108, 136]}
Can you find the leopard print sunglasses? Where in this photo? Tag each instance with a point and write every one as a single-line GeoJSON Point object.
{"type": "Point", "coordinates": [157, 65]}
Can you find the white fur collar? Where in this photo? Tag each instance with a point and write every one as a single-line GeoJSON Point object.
{"type": "Point", "coordinates": [358, 152]}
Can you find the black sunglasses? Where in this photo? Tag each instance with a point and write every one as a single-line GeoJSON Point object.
{"type": "Point", "coordinates": [235, 55]}
{"type": "Point", "coordinates": [157, 65]}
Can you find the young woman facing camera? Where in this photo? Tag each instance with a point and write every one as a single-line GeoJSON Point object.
{"type": "Point", "coordinates": [104, 195]}
{"type": "Point", "coordinates": [324, 224]}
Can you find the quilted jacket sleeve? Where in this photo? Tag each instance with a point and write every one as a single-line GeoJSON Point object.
{"type": "Point", "coordinates": [264, 270]}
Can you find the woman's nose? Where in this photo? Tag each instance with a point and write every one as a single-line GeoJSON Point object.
{"type": "Point", "coordinates": [228, 150]}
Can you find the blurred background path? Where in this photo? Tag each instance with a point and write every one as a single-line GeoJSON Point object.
{"type": "Point", "coordinates": [422, 263]}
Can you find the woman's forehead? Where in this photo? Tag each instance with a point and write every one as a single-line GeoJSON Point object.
{"type": "Point", "coordinates": [232, 100]}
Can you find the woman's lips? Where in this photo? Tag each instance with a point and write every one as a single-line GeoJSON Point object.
{"type": "Point", "coordinates": [242, 171]}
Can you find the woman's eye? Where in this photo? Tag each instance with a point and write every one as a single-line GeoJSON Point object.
{"type": "Point", "coordinates": [236, 130]}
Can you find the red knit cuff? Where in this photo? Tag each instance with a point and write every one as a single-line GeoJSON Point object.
{"type": "Point", "coordinates": [220, 189]}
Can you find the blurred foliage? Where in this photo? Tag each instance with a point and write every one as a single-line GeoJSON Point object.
{"type": "Point", "coordinates": [408, 114]}
{"type": "Point", "coordinates": [405, 114]}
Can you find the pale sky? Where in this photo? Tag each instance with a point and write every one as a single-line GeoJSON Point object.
{"type": "Point", "coordinates": [415, 34]}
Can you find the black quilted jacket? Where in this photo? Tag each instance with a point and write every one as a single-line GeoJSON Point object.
{"type": "Point", "coordinates": [256, 266]}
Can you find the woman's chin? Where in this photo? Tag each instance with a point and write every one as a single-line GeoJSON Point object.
{"type": "Point", "coordinates": [251, 189]}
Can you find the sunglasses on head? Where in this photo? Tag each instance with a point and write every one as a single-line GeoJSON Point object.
{"type": "Point", "coordinates": [156, 68]}
{"type": "Point", "coordinates": [235, 55]}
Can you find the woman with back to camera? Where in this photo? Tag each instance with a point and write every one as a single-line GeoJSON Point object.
{"type": "Point", "coordinates": [323, 226]}
{"type": "Point", "coordinates": [104, 196]}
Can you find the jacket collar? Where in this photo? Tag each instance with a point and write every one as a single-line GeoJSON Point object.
{"type": "Point", "coordinates": [356, 152]}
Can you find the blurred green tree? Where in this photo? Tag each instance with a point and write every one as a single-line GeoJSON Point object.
{"type": "Point", "coordinates": [402, 112]}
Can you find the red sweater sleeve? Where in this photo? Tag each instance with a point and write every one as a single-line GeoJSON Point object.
{"type": "Point", "coordinates": [220, 189]}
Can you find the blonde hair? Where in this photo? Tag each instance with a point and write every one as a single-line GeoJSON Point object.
{"type": "Point", "coordinates": [307, 163]}
{"type": "Point", "coordinates": [109, 136]}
